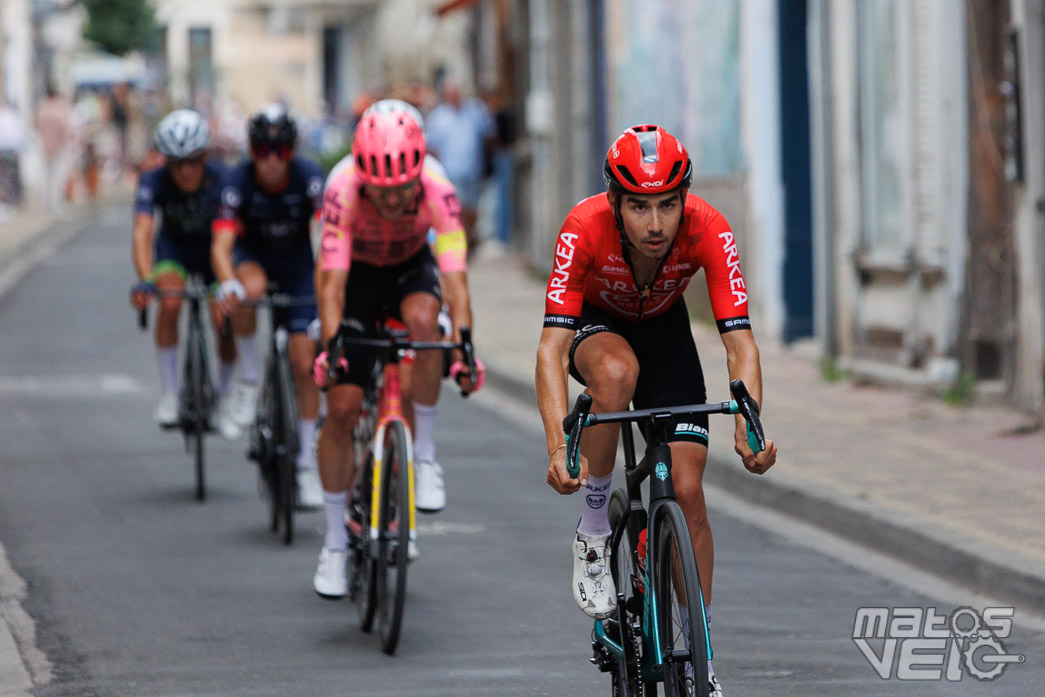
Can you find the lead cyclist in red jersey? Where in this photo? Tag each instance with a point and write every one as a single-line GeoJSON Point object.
{"type": "Point", "coordinates": [615, 319]}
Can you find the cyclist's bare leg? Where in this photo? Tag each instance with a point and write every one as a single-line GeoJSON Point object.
{"type": "Point", "coordinates": [302, 352]}
{"type": "Point", "coordinates": [420, 313]}
{"type": "Point", "coordinates": [335, 451]}
{"type": "Point", "coordinates": [254, 280]}
{"type": "Point", "coordinates": [245, 320]}
{"type": "Point", "coordinates": [610, 369]}
{"type": "Point", "coordinates": [687, 473]}
{"type": "Point", "coordinates": [226, 347]}
{"type": "Point", "coordinates": [169, 308]}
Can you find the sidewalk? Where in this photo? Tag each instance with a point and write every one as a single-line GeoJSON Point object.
{"type": "Point", "coordinates": [958, 492]}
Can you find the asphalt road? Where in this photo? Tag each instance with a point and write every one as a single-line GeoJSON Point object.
{"type": "Point", "coordinates": [137, 589]}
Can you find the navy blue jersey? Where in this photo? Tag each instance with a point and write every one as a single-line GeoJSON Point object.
{"type": "Point", "coordinates": [272, 222]}
{"type": "Point", "coordinates": [185, 217]}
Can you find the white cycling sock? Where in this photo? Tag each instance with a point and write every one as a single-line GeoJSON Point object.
{"type": "Point", "coordinates": [336, 537]}
{"type": "Point", "coordinates": [167, 358]}
{"type": "Point", "coordinates": [225, 377]}
{"type": "Point", "coordinates": [306, 435]}
{"type": "Point", "coordinates": [595, 514]}
{"type": "Point", "coordinates": [424, 432]}
{"type": "Point", "coordinates": [246, 350]}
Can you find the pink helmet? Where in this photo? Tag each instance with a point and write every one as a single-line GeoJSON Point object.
{"type": "Point", "coordinates": [389, 148]}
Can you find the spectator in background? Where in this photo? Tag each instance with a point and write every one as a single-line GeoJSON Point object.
{"type": "Point", "coordinates": [54, 126]}
{"type": "Point", "coordinates": [458, 131]}
{"type": "Point", "coordinates": [501, 165]}
{"type": "Point", "coordinates": [12, 143]}
{"type": "Point", "coordinates": [119, 118]}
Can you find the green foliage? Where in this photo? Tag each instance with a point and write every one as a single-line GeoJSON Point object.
{"type": "Point", "coordinates": [328, 161]}
{"type": "Point", "coordinates": [961, 392]}
{"type": "Point", "coordinates": [121, 26]}
{"type": "Point", "coordinates": [829, 370]}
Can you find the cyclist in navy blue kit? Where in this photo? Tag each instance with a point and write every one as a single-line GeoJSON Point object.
{"type": "Point", "coordinates": [185, 192]}
{"type": "Point", "coordinates": [263, 233]}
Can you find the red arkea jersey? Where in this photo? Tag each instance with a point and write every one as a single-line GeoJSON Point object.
{"type": "Point", "coordinates": [590, 267]}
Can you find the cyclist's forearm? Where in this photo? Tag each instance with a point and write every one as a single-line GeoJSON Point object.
{"type": "Point", "coordinates": [221, 255]}
{"type": "Point", "coordinates": [742, 359]}
{"type": "Point", "coordinates": [552, 390]}
{"type": "Point", "coordinates": [455, 285]}
{"type": "Point", "coordinates": [331, 300]}
{"type": "Point", "coordinates": [141, 251]}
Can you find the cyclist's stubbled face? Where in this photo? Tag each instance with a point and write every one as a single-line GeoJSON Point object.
{"type": "Point", "coordinates": [651, 222]}
{"type": "Point", "coordinates": [392, 202]}
{"type": "Point", "coordinates": [271, 164]}
{"type": "Point", "coordinates": [187, 173]}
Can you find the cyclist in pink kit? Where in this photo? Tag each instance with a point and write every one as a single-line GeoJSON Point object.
{"type": "Point", "coordinates": [376, 261]}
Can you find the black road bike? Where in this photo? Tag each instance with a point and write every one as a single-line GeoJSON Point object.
{"type": "Point", "coordinates": [658, 633]}
{"type": "Point", "coordinates": [274, 441]}
{"type": "Point", "coordinates": [197, 398]}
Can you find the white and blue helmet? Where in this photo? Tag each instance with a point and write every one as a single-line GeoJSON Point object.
{"type": "Point", "coordinates": [182, 133]}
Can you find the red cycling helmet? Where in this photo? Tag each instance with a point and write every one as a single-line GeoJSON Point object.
{"type": "Point", "coordinates": [389, 148]}
{"type": "Point", "coordinates": [646, 159]}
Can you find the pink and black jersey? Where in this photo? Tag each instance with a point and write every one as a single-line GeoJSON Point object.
{"type": "Point", "coordinates": [590, 267]}
{"type": "Point", "coordinates": [353, 230]}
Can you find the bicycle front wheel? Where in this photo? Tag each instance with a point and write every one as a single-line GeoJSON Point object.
{"type": "Point", "coordinates": [287, 449]}
{"type": "Point", "coordinates": [680, 609]}
{"type": "Point", "coordinates": [394, 540]}
{"type": "Point", "coordinates": [627, 578]}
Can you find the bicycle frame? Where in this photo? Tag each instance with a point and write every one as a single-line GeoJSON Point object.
{"type": "Point", "coordinates": [390, 408]}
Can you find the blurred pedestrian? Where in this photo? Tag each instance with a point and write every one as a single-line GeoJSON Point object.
{"type": "Point", "coordinates": [458, 132]}
{"type": "Point", "coordinates": [54, 126]}
{"type": "Point", "coordinates": [500, 164]}
{"type": "Point", "coordinates": [12, 143]}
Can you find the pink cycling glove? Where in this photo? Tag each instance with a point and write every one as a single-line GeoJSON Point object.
{"type": "Point", "coordinates": [319, 371]}
{"type": "Point", "coordinates": [459, 367]}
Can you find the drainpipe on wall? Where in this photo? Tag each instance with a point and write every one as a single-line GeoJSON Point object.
{"type": "Point", "coordinates": [1029, 232]}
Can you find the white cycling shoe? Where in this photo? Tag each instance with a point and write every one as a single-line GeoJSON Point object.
{"type": "Point", "coordinates": [430, 494]}
{"type": "Point", "coordinates": [331, 579]}
{"type": "Point", "coordinates": [166, 413]}
{"type": "Point", "coordinates": [714, 688]}
{"type": "Point", "coordinates": [243, 396]}
{"type": "Point", "coordinates": [310, 492]}
{"type": "Point", "coordinates": [593, 589]}
{"type": "Point", "coordinates": [227, 426]}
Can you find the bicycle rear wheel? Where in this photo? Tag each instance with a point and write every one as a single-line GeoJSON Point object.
{"type": "Point", "coordinates": [680, 611]}
{"type": "Point", "coordinates": [393, 543]}
{"type": "Point", "coordinates": [363, 588]}
{"type": "Point", "coordinates": [627, 577]}
{"type": "Point", "coordinates": [198, 408]}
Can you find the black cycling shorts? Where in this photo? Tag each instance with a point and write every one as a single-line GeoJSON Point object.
{"type": "Point", "coordinates": [373, 292]}
{"type": "Point", "coordinates": [669, 368]}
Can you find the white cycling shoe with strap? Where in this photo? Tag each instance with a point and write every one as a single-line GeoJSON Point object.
{"type": "Point", "coordinates": [593, 588]}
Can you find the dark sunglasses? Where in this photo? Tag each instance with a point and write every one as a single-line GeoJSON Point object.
{"type": "Point", "coordinates": [264, 150]}
{"type": "Point", "coordinates": [177, 163]}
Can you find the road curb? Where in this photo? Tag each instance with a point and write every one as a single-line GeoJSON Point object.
{"type": "Point", "coordinates": [917, 543]}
